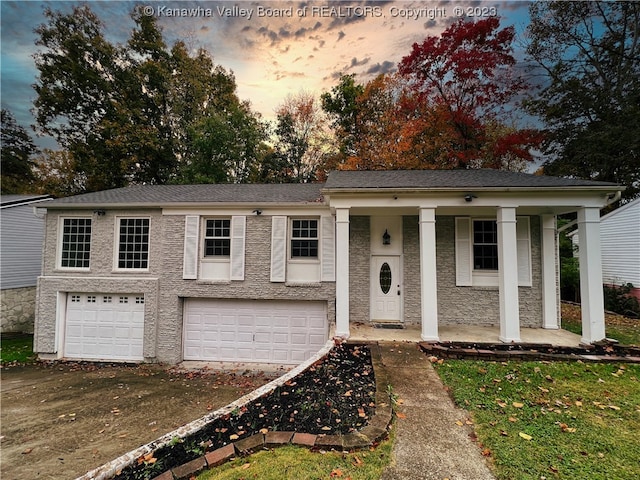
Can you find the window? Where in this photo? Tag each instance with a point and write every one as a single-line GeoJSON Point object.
{"type": "Point", "coordinates": [485, 245]}
{"type": "Point", "coordinates": [133, 249]}
{"type": "Point", "coordinates": [217, 238]}
{"type": "Point", "coordinates": [304, 239]}
{"type": "Point", "coordinates": [76, 243]}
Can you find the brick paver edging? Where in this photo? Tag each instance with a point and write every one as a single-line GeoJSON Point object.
{"type": "Point", "coordinates": [601, 352]}
{"type": "Point", "coordinates": [375, 430]}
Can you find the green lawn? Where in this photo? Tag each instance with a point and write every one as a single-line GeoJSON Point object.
{"type": "Point", "coordinates": [302, 464]}
{"type": "Point", "coordinates": [624, 330]}
{"type": "Point", "coordinates": [16, 349]}
{"type": "Point", "coordinates": [552, 420]}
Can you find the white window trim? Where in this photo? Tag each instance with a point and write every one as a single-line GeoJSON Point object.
{"type": "Point", "coordinates": [490, 278]}
{"type": "Point", "coordinates": [318, 238]}
{"type": "Point", "coordinates": [214, 258]}
{"type": "Point", "coordinates": [116, 244]}
{"type": "Point", "coordinates": [59, 266]}
{"type": "Point", "coordinates": [482, 277]}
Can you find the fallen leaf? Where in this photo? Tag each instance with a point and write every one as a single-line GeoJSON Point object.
{"type": "Point", "coordinates": [336, 472]}
{"type": "Point", "coordinates": [245, 466]}
{"type": "Point", "coordinates": [233, 436]}
{"type": "Point", "coordinates": [613, 407]}
{"type": "Point", "coordinates": [486, 452]}
{"type": "Point", "coordinates": [578, 403]}
{"type": "Point", "coordinates": [459, 423]}
{"type": "Point", "coordinates": [401, 415]}
{"type": "Point", "coordinates": [513, 419]}
{"type": "Point", "coordinates": [504, 433]}
{"type": "Point", "coordinates": [553, 469]}
{"type": "Point", "coordinates": [348, 393]}
{"type": "Point", "coordinates": [357, 461]}
{"type": "Point", "coordinates": [525, 436]}
{"type": "Point", "coordinates": [518, 404]}
{"type": "Point", "coordinates": [27, 451]}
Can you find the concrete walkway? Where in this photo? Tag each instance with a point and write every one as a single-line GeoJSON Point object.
{"type": "Point", "coordinates": [429, 444]}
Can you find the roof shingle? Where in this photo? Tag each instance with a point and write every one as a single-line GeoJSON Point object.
{"type": "Point", "coordinates": [210, 193]}
{"type": "Point", "coordinates": [343, 179]}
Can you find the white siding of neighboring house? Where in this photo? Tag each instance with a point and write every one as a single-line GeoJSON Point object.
{"type": "Point", "coordinates": [620, 238]}
{"type": "Point", "coordinates": [21, 235]}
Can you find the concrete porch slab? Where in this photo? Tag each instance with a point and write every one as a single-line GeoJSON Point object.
{"type": "Point", "coordinates": [461, 333]}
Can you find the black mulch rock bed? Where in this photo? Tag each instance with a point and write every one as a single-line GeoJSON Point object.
{"type": "Point", "coordinates": [334, 396]}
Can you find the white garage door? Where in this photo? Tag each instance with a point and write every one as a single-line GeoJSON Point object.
{"type": "Point", "coordinates": [107, 326]}
{"type": "Point", "coordinates": [286, 332]}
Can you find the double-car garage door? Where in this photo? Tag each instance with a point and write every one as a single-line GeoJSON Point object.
{"type": "Point", "coordinates": [269, 331]}
{"type": "Point", "coordinates": [108, 326]}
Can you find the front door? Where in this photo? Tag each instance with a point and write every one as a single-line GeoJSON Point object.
{"type": "Point", "coordinates": [386, 289]}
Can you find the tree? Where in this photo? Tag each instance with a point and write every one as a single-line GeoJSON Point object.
{"type": "Point", "coordinates": [17, 149]}
{"type": "Point", "coordinates": [226, 147]}
{"type": "Point", "coordinates": [467, 78]}
{"type": "Point", "coordinates": [589, 53]}
{"type": "Point", "coordinates": [342, 107]}
{"type": "Point", "coordinates": [301, 140]}
{"type": "Point", "coordinates": [57, 174]}
{"type": "Point", "coordinates": [132, 113]}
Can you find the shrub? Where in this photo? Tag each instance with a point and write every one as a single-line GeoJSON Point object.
{"type": "Point", "coordinates": [618, 300]}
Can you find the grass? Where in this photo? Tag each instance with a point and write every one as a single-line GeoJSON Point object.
{"type": "Point", "coordinates": [552, 420]}
{"type": "Point", "coordinates": [625, 330]}
{"type": "Point", "coordinates": [18, 349]}
{"type": "Point", "coordinates": [302, 464]}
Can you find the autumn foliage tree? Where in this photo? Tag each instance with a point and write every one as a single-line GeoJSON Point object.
{"type": "Point", "coordinates": [450, 105]}
{"type": "Point", "coordinates": [467, 75]}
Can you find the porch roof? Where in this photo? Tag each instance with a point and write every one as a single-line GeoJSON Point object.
{"type": "Point", "coordinates": [343, 180]}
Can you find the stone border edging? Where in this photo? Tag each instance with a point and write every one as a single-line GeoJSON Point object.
{"type": "Point", "coordinates": [600, 352]}
{"type": "Point", "coordinates": [374, 431]}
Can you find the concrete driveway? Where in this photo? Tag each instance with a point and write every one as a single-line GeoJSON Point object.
{"type": "Point", "coordinates": [62, 420]}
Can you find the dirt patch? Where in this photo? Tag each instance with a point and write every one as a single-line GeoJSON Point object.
{"type": "Point", "coordinates": [62, 420]}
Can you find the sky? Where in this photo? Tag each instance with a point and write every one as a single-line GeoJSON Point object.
{"type": "Point", "coordinates": [274, 48]}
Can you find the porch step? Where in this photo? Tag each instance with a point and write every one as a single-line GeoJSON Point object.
{"type": "Point", "coordinates": [389, 325]}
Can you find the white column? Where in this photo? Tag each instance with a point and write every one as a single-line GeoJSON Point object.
{"type": "Point", "coordinates": [428, 277]}
{"type": "Point", "coordinates": [590, 257]}
{"type": "Point", "coordinates": [549, 273]}
{"type": "Point", "coordinates": [508, 275]}
{"type": "Point", "coordinates": [342, 272]}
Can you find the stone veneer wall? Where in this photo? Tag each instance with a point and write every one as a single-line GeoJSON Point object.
{"type": "Point", "coordinates": [359, 269]}
{"type": "Point", "coordinates": [411, 250]}
{"type": "Point", "coordinates": [480, 305]}
{"type": "Point", "coordinates": [255, 286]}
{"type": "Point", "coordinates": [456, 305]}
{"type": "Point", "coordinates": [18, 310]}
{"type": "Point", "coordinates": [163, 285]}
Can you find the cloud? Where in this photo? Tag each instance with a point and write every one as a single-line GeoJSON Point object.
{"type": "Point", "coordinates": [381, 68]}
{"type": "Point", "coordinates": [357, 63]}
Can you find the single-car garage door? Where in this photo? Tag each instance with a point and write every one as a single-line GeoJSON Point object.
{"type": "Point", "coordinates": [106, 326]}
{"type": "Point", "coordinates": [287, 332]}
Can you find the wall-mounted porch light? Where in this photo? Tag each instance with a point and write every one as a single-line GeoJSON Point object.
{"type": "Point", "coordinates": [386, 238]}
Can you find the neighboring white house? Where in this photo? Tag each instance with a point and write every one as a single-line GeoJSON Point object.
{"type": "Point", "coordinates": [264, 273]}
{"type": "Point", "coordinates": [620, 239]}
{"type": "Point", "coordinates": [21, 235]}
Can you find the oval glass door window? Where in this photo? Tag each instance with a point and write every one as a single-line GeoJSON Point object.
{"type": "Point", "coordinates": [385, 278]}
